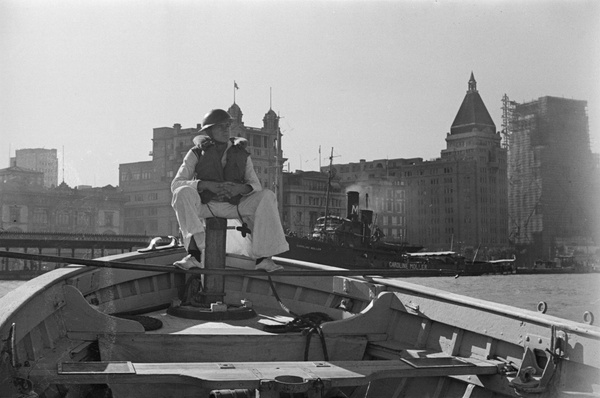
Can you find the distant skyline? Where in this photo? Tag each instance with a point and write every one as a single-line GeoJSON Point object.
{"type": "Point", "coordinates": [372, 79]}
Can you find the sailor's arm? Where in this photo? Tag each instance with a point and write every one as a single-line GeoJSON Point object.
{"type": "Point", "coordinates": [251, 177]}
{"type": "Point", "coordinates": [186, 172]}
{"type": "Point", "coordinates": [251, 184]}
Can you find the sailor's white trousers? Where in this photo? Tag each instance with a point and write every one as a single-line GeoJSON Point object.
{"type": "Point", "coordinates": [258, 210]}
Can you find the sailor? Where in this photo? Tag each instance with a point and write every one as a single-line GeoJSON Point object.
{"type": "Point", "coordinates": [217, 179]}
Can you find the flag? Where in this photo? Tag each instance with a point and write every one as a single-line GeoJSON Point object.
{"type": "Point", "coordinates": [235, 85]}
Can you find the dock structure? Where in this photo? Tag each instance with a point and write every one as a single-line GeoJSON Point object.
{"type": "Point", "coordinates": [60, 244]}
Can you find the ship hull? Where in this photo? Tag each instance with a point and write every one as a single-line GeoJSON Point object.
{"type": "Point", "coordinates": [360, 257]}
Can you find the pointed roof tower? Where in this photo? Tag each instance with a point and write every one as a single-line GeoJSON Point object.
{"type": "Point", "coordinates": [472, 115]}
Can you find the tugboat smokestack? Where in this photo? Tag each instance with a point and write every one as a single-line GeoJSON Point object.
{"type": "Point", "coordinates": [352, 205]}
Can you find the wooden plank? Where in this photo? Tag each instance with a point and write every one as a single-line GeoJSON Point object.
{"type": "Point", "coordinates": [222, 346]}
{"type": "Point", "coordinates": [214, 256]}
{"type": "Point", "coordinates": [248, 375]}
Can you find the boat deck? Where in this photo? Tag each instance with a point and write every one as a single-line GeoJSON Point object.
{"type": "Point", "coordinates": [254, 326]}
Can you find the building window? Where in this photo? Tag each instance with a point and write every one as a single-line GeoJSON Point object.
{"type": "Point", "coordinates": [83, 219]}
{"type": "Point", "coordinates": [62, 218]}
{"type": "Point", "coordinates": [153, 196]}
{"type": "Point", "coordinates": [109, 217]}
{"type": "Point", "coordinates": [15, 214]}
{"type": "Point", "coordinates": [40, 216]}
{"type": "Point", "coordinates": [298, 200]}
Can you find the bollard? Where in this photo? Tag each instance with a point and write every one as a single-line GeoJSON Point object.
{"type": "Point", "coordinates": [214, 258]}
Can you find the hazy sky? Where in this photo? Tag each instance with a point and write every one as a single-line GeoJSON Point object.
{"type": "Point", "coordinates": [373, 79]}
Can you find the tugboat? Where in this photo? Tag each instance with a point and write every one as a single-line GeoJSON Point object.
{"type": "Point", "coordinates": [351, 242]}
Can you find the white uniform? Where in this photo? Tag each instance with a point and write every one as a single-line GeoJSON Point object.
{"type": "Point", "coordinates": [258, 209]}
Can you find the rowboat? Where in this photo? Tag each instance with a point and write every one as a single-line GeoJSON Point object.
{"type": "Point", "coordinates": [131, 325]}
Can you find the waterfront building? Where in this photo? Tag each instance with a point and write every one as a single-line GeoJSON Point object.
{"type": "Point", "coordinates": [147, 184]}
{"type": "Point", "coordinates": [460, 200]}
{"type": "Point", "coordinates": [455, 202]}
{"type": "Point", "coordinates": [553, 197]}
{"type": "Point", "coordinates": [39, 159]}
{"type": "Point", "coordinates": [27, 206]}
{"type": "Point", "coordinates": [305, 200]}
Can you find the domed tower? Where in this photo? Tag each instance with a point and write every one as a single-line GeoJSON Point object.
{"type": "Point", "coordinates": [271, 121]}
{"type": "Point", "coordinates": [236, 113]}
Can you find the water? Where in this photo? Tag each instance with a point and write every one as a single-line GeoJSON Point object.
{"type": "Point", "coordinates": [567, 296]}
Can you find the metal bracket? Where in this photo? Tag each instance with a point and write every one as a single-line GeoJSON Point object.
{"type": "Point", "coordinates": [412, 308]}
{"type": "Point", "coordinates": [289, 384]}
{"type": "Point", "coordinates": [539, 362]}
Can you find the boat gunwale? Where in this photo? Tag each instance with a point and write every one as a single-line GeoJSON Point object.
{"type": "Point", "coordinates": [47, 280]}
{"type": "Point", "coordinates": [472, 302]}
{"type": "Point", "coordinates": [37, 285]}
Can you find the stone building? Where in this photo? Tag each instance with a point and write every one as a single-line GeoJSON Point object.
{"type": "Point", "coordinates": [460, 200]}
{"type": "Point", "coordinates": [27, 206]}
{"type": "Point", "coordinates": [147, 184]}
{"type": "Point", "coordinates": [553, 198]}
{"type": "Point", "coordinates": [39, 159]}
{"type": "Point", "coordinates": [305, 200]}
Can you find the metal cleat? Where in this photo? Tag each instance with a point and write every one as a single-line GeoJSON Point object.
{"type": "Point", "coordinates": [154, 244]}
{"type": "Point", "coordinates": [539, 363]}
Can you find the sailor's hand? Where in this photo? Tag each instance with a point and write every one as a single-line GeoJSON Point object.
{"type": "Point", "coordinates": [214, 187]}
{"type": "Point", "coordinates": [233, 189]}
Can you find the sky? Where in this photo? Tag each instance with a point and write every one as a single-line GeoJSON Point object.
{"type": "Point", "coordinates": [370, 79]}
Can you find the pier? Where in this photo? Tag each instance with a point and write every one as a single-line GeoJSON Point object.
{"type": "Point", "coordinates": [72, 245]}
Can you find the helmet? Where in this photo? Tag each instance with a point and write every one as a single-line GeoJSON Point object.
{"type": "Point", "coordinates": [215, 116]}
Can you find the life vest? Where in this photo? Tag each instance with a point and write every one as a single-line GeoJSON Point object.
{"type": "Point", "coordinates": [210, 168]}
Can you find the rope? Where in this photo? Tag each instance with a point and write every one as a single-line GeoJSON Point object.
{"type": "Point", "coordinates": [310, 323]}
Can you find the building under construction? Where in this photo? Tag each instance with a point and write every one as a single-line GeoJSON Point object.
{"type": "Point", "coordinates": [553, 179]}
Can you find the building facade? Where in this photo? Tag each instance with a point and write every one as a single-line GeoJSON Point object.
{"type": "Point", "coordinates": [553, 178]}
{"type": "Point", "coordinates": [39, 159]}
{"type": "Point", "coordinates": [456, 202]}
{"type": "Point", "coordinates": [460, 201]}
{"type": "Point", "coordinates": [305, 196]}
{"type": "Point", "coordinates": [147, 184]}
{"type": "Point", "coordinates": [27, 206]}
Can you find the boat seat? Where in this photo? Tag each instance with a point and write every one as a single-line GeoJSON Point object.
{"type": "Point", "coordinates": [253, 375]}
{"type": "Point", "coordinates": [224, 344]}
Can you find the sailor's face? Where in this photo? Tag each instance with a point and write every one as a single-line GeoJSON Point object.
{"type": "Point", "coordinates": [220, 132]}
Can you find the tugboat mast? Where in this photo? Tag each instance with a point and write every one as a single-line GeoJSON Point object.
{"type": "Point", "coordinates": [327, 192]}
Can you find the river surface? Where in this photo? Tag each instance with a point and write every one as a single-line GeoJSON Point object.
{"type": "Point", "coordinates": [567, 296]}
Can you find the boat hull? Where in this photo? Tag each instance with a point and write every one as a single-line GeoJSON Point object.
{"type": "Point", "coordinates": [320, 252]}
{"type": "Point", "coordinates": [386, 338]}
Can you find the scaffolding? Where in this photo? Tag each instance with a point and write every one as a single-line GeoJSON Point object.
{"type": "Point", "coordinates": [508, 108]}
